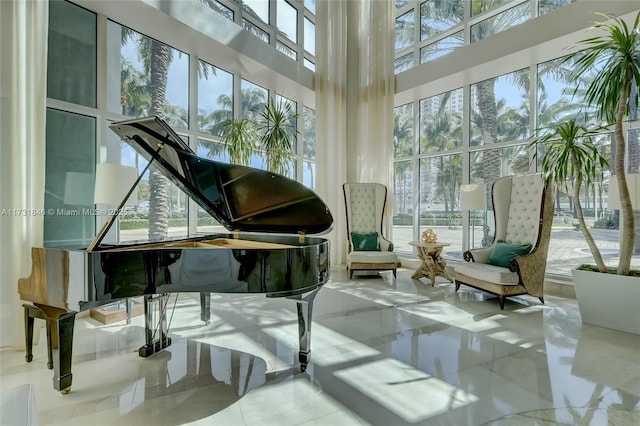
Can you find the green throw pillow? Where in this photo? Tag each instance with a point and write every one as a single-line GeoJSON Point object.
{"type": "Point", "coordinates": [503, 253]}
{"type": "Point", "coordinates": [365, 242]}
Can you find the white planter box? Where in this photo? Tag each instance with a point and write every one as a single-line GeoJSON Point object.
{"type": "Point", "coordinates": [608, 300]}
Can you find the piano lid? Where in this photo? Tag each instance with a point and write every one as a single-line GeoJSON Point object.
{"type": "Point", "coordinates": [241, 198]}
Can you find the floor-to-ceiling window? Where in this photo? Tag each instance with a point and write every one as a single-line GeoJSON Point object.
{"type": "Point", "coordinates": [480, 131]}
{"type": "Point", "coordinates": [102, 71]}
{"type": "Point", "coordinates": [71, 125]}
{"type": "Point", "coordinates": [427, 30]}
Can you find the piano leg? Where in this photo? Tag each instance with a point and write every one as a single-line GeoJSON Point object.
{"type": "Point", "coordinates": [205, 308]}
{"type": "Point", "coordinates": [155, 325]}
{"type": "Point", "coordinates": [30, 314]}
{"type": "Point", "coordinates": [305, 309]}
{"type": "Point", "coordinates": [59, 341]}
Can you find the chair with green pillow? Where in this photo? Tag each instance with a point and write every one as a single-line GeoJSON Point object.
{"type": "Point", "coordinates": [515, 263]}
{"type": "Point", "coordinates": [369, 250]}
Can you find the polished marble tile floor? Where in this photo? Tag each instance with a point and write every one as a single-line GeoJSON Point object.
{"type": "Point", "coordinates": [383, 353]}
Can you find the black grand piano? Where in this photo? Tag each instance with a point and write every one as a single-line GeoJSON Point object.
{"type": "Point", "coordinates": [269, 249]}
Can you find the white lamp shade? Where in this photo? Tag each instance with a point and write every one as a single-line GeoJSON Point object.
{"type": "Point", "coordinates": [113, 181]}
{"type": "Point", "coordinates": [78, 189]}
{"type": "Point", "coordinates": [633, 183]}
{"type": "Point", "coordinates": [473, 197]}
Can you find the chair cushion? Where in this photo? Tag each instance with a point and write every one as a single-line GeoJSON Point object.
{"type": "Point", "coordinates": [372, 257]}
{"type": "Point", "coordinates": [487, 272]}
{"type": "Point", "coordinates": [502, 253]}
{"type": "Point", "coordinates": [366, 241]}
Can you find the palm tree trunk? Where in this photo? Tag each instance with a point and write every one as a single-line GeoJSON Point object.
{"type": "Point", "coordinates": [491, 157]}
{"type": "Point", "coordinates": [158, 184]}
{"type": "Point", "coordinates": [577, 185]}
{"type": "Point", "coordinates": [633, 159]}
{"type": "Point", "coordinates": [626, 210]}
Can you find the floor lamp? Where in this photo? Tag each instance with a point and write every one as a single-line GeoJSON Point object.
{"type": "Point", "coordinates": [473, 197]}
{"type": "Point", "coordinates": [113, 182]}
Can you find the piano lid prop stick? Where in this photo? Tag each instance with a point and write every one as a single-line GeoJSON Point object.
{"type": "Point", "coordinates": [105, 228]}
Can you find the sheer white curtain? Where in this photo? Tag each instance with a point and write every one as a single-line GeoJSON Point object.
{"type": "Point", "coordinates": [23, 78]}
{"type": "Point", "coordinates": [332, 116]}
{"type": "Point", "coordinates": [354, 89]}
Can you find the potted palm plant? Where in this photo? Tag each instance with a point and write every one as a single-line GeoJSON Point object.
{"type": "Point", "coordinates": [277, 129]}
{"type": "Point", "coordinates": [239, 136]}
{"type": "Point", "coordinates": [569, 154]}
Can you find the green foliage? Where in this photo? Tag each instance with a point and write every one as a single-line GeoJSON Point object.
{"type": "Point", "coordinates": [616, 50]}
{"type": "Point", "coordinates": [569, 154]}
{"type": "Point", "coordinates": [606, 223]}
{"type": "Point", "coordinates": [570, 158]}
{"type": "Point", "coordinates": [618, 53]}
{"type": "Point", "coordinates": [240, 140]}
{"type": "Point", "coordinates": [277, 129]}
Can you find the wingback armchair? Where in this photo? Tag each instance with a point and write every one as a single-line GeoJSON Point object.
{"type": "Point", "coordinates": [515, 263]}
{"type": "Point", "coordinates": [369, 249]}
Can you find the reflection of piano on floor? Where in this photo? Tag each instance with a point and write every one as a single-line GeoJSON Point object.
{"type": "Point", "coordinates": [269, 250]}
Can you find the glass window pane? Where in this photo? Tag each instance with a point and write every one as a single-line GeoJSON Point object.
{"type": "Point", "coordinates": [309, 133]}
{"type": "Point", "coordinates": [220, 8]}
{"type": "Point", "coordinates": [437, 16]}
{"type": "Point", "coordinates": [292, 121]}
{"type": "Point", "coordinates": [403, 63]}
{"type": "Point", "coordinates": [253, 29]}
{"type": "Point", "coordinates": [441, 122]}
{"type": "Point", "coordinates": [403, 131]}
{"type": "Point", "coordinates": [145, 67]}
{"type": "Point", "coordinates": [253, 99]}
{"type": "Point", "coordinates": [257, 8]}
{"type": "Point", "coordinates": [287, 110]}
{"type": "Point", "coordinates": [558, 99]}
{"type": "Point", "coordinates": [215, 98]}
{"type": "Point", "coordinates": [405, 26]}
{"type": "Point", "coordinates": [287, 20]}
{"type": "Point", "coordinates": [439, 187]}
{"type": "Point", "coordinates": [311, 5]}
{"type": "Point", "coordinates": [283, 48]}
{"type": "Point", "coordinates": [403, 206]}
{"type": "Point", "coordinates": [309, 174]}
{"type": "Point", "coordinates": [214, 151]}
{"type": "Point", "coordinates": [69, 179]}
{"type": "Point", "coordinates": [160, 210]}
{"type": "Point", "coordinates": [309, 36]}
{"type": "Point", "coordinates": [441, 47]}
{"type": "Point", "coordinates": [500, 109]}
{"type": "Point", "coordinates": [546, 6]}
{"type": "Point", "coordinates": [309, 64]}
{"type": "Point", "coordinates": [501, 22]}
{"type": "Point", "coordinates": [479, 7]}
{"type": "Point", "coordinates": [554, 100]}
{"type": "Point", "coordinates": [71, 59]}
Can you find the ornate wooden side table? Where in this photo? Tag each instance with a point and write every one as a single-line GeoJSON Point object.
{"type": "Point", "coordinates": [433, 264]}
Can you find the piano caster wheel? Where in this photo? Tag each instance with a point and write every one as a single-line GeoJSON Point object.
{"type": "Point", "coordinates": [66, 391]}
{"type": "Point", "coordinates": [304, 360]}
{"type": "Point", "coordinates": [207, 322]}
{"type": "Point", "coordinates": [28, 358]}
{"type": "Point", "coordinates": [50, 365]}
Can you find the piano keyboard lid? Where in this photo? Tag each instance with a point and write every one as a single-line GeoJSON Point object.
{"type": "Point", "coordinates": [241, 198]}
